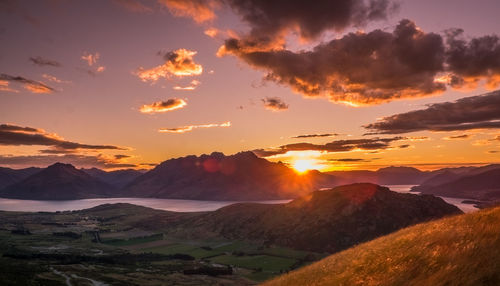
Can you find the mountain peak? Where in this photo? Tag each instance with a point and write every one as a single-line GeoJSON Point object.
{"type": "Point", "coordinates": [60, 165]}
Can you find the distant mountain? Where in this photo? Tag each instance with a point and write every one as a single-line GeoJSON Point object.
{"type": "Point", "coordinates": [10, 176]}
{"type": "Point", "coordinates": [242, 176]}
{"type": "Point", "coordinates": [323, 221]}
{"type": "Point", "coordinates": [118, 178]}
{"type": "Point", "coordinates": [459, 250]}
{"type": "Point", "coordinates": [58, 182]}
{"type": "Point", "coordinates": [478, 184]}
{"type": "Point", "coordinates": [384, 176]}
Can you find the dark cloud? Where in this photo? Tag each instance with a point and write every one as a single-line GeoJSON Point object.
{"type": "Point", "coordinates": [458, 137]}
{"type": "Point", "coordinates": [39, 61]}
{"type": "Point", "coordinates": [121, 156]}
{"type": "Point", "coordinates": [473, 60]}
{"type": "Point", "coordinates": [334, 146]}
{"type": "Point", "coordinates": [31, 85]}
{"type": "Point", "coordinates": [270, 21]}
{"type": "Point", "coordinates": [315, 135]}
{"type": "Point", "coordinates": [404, 146]}
{"type": "Point", "coordinates": [475, 112]}
{"type": "Point", "coordinates": [359, 68]}
{"type": "Point", "coordinates": [18, 135]}
{"type": "Point", "coordinates": [274, 103]}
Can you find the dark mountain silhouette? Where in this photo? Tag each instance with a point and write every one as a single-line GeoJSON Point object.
{"type": "Point", "coordinates": [242, 176]}
{"type": "Point", "coordinates": [479, 184]}
{"type": "Point", "coordinates": [58, 182]}
{"type": "Point", "coordinates": [10, 176]}
{"type": "Point", "coordinates": [323, 221]}
{"type": "Point", "coordinates": [118, 178]}
{"type": "Point", "coordinates": [384, 176]}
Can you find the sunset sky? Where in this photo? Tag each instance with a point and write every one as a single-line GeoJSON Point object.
{"type": "Point", "coordinates": [317, 84]}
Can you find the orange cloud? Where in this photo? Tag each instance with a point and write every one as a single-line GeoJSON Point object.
{"type": "Point", "coordinates": [184, 129]}
{"type": "Point", "coordinates": [192, 86]}
{"type": "Point", "coordinates": [37, 88]}
{"type": "Point", "coordinates": [198, 10]}
{"type": "Point", "coordinates": [31, 85]}
{"type": "Point", "coordinates": [4, 86]}
{"type": "Point", "coordinates": [211, 32]}
{"type": "Point", "coordinates": [178, 63]}
{"type": "Point", "coordinates": [163, 106]}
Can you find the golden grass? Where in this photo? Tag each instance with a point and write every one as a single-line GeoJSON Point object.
{"type": "Point", "coordinates": [459, 250]}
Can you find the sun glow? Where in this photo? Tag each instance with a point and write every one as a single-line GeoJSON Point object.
{"type": "Point", "coordinates": [304, 165]}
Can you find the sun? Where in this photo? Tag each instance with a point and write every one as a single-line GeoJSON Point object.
{"type": "Point", "coordinates": [303, 165]}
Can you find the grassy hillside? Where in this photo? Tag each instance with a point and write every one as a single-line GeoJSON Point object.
{"type": "Point", "coordinates": [459, 250]}
{"type": "Point", "coordinates": [323, 221]}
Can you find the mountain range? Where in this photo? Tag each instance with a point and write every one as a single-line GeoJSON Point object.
{"type": "Point", "coordinates": [481, 183]}
{"type": "Point", "coordinates": [239, 177]}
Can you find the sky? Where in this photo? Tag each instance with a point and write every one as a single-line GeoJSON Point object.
{"type": "Point", "coordinates": [328, 85]}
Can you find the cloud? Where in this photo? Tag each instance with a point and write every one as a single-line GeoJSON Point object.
{"type": "Point", "coordinates": [199, 10]}
{"type": "Point", "coordinates": [348, 160]}
{"type": "Point", "coordinates": [31, 85]}
{"type": "Point", "coordinates": [163, 106]}
{"type": "Point", "coordinates": [458, 137]}
{"type": "Point", "coordinates": [39, 61]}
{"type": "Point", "coordinates": [184, 129]}
{"type": "Point", "coordinates": [4, 86]}
{"type": "Point", "coordinates": [134, 6]}
{"type": "Point", "coordinates": [274, 104]}
{"type": "Point", "coordinates": [315, 135]}
{"type": "Point", "coordinates": [54, 79]}
{"type": "Point", "coordinates": [17, 135]}
{"type": "Point", "coordinates": [357, 69]}
{"type": "Point", "coordinates": [473, 60]}
{"type": "Point", "coordinates": [475, 112]}
{"type": "Point", "coordinates": [334, 146]}
{"type": "Point", "coordinates": [91, 60]}
{"type": "Point", "coordinates": [272, 20]}
{"type": "Point", "coordinates": [177, 63]}
{"type": "Point", "coordinates": [211, 32]}
{"type": "Point", "coordinates": [192, 85]}
{"type": "Point", "coordinates": [362, 68]}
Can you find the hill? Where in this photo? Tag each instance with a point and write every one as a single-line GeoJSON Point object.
{"type": "Point", "coordinates": [10, 176]}
{"type": "Point", "coordinates": [58, 182]}
{"type": "Point", "coordinates": [460, 250]}
{"type": "Point", "coordinates": [117, 178]}
{"type": "Point", "coordinates": [479, 186]}
{"type": "Point", "coordinates": [323, 221]}
{"type": "Point", "coordinates": [384, 176]}
{"type": "Point", "coordinates": [242, 176]}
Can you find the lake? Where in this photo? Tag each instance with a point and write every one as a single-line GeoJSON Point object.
{"type": "Point", "coordinates": [165, 204]}
{"type": "Point", "coordinates": [466, 208]}
{"type": "Point", "coordinates": [161, 204]}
